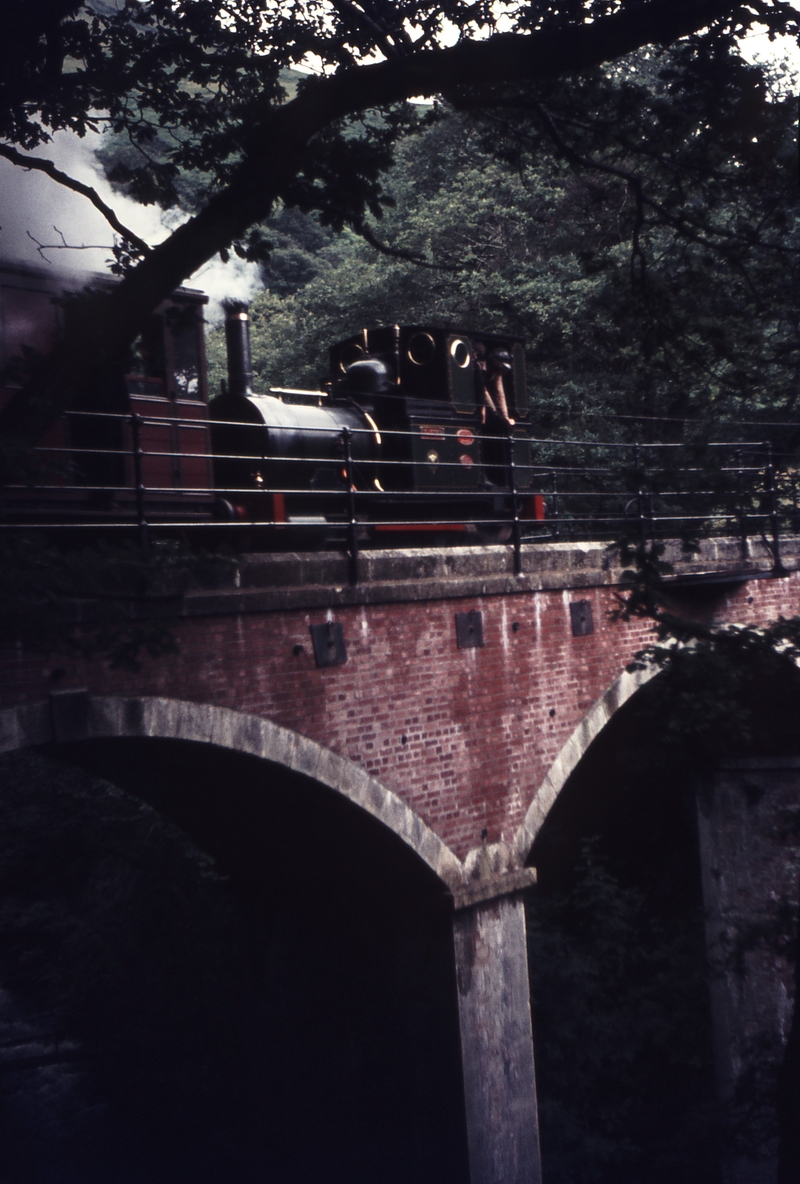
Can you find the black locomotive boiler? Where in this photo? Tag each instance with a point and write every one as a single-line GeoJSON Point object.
{"type": "Point", "coordinates": [404, 434]}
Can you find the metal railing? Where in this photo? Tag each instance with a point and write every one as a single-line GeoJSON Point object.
{"type": "Point", "coordinates": [130, 473]}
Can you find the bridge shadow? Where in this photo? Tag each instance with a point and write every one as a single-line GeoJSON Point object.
{"type": "Point", "coordinates": [327, 1019]}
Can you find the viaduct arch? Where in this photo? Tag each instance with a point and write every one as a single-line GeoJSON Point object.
{"type": "Point", "coordinates": [481, 935]}
{"type": "Point", "coordinates": [180, 731]}
{"type": "Point", "coordinates": [70, 717]}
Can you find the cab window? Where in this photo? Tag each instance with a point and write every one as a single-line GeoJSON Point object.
{"type": "Point", "coordinates": [185, 331]}
{"type": "Point", "coordinates": [147, 371]}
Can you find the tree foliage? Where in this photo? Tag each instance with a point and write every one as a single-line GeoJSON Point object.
{"type": "Point", "coordinates": [210, 75]}
{"type": "Point", "coordinates": [118, 600]}
{"type": "Point", "coordinates": [647, 280]}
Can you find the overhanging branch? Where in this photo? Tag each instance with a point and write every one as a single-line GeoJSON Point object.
{"type": "Point", "coordinates": [279, 136]}
{"type": "Point", "coordinates": [49, 169]}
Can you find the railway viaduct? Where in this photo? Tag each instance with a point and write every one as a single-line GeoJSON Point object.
{"type": "Point", "coordinates": [442, 695]}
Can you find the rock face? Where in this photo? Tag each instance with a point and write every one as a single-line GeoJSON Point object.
{"type": "Point", "coordinates": [749, 831]}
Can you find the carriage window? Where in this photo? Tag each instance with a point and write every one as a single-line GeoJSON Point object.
{"type": "Point", "coordinates": [29, 322]}
{"type": "Point", "coordinates": [148, 363]}
{"type": "Point", "coordinates": [186, 356]}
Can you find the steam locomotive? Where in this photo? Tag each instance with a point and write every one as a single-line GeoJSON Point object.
{"type": "Point", "coordinates": [405, 402]}
{"type": "Point", "coordinates": [403, 436]}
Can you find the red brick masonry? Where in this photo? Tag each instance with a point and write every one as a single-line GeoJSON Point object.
{"type": "Point", "coordinates": [464, 736]}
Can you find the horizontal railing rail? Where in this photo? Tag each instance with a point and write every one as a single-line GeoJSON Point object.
{"type": "Point", "coordinates": [120, 472]}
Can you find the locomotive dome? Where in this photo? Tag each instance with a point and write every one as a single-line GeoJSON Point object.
{"type": "Point", "coordinates": [368, 376]}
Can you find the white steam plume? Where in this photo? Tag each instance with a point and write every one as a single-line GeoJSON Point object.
{"type": "Point", "coordinates": [34, 207]}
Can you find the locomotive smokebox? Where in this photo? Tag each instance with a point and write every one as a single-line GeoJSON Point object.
{"type": "Point", "coordinates": [237, 340]}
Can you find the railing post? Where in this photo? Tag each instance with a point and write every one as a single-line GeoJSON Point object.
{"type": "Point", "coordinates": [774, 514]}
{"type": "Point", "coordinates": [136, 430]}
{"type": "Point", "coordinates": [512, 484]}
{"type": "Point", "coordinates": [351, 506]}
{"type": "Point", "coordinates": [651, 517]}
{"type": "Point", "coordinates": [639, 499]}
{"type": "Point", "coordinates": [554, 513]}
{"type": "Point", "coordinates": [742, 512]}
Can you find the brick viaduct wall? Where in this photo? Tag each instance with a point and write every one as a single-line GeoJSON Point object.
{"type": "Point", "coordinates": [466, 737]}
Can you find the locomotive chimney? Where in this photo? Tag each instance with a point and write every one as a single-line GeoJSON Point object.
{"type": "Point", "coordinates": [237, 340]}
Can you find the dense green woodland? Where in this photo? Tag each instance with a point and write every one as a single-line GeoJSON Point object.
{"type": "Point", "coordinates": [688, 140]}
{"type": "Point", "coordinates": [685, 307]}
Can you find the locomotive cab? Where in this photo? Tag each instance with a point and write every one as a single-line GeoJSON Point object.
{"type": "Point", "coordinates": [436, 432]}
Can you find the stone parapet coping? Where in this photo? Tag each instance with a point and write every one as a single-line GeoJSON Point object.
{"type": "Point", "coordinates": [289, 580]}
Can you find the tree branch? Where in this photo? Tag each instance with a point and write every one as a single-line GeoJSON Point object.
{"type": "Point", "coordinates": [362, 20]}
{"type": "Point", "coordinates": [370, 237]}
{"type": "Point", "coordinates": [56, 174]}
{"type": "Point", "coordinates": [64, 245]}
